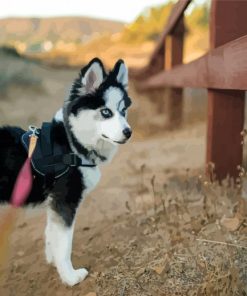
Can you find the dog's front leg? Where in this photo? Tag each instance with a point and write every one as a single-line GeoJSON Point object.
{"type": "Point", "coordinates": [58, 249]}
{"type": "Point", "coordinates": [48, 241]}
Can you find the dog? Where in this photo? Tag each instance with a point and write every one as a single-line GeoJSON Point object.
{"type": "Point", "coordinates": [89, 127]}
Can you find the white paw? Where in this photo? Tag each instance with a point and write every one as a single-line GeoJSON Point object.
{"type": "Point", "coordinates": [74, 277]}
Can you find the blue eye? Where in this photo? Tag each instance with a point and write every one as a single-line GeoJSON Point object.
{"type": "Point", "coordinates": [106, 113]}
{"type": "Point", "coordinates": [123, 112]}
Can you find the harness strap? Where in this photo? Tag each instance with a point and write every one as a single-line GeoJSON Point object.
{"type": "Point", "coordinates": [46, 144]}
{"type": "Point", "coordinates": [47, 150]}
{"type": "Point", "coordinates": [70, 159]}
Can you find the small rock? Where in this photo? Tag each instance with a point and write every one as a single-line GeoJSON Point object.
{"type": "Point", "coordinates": [186, 217]}
{"type": "Point", "coordinates": [159, 269]}
{"type": "Point", "coordinates": [231, 224]}
{"type": "Point", "coordinates": [20, 253]}
{"type": "Point", "coordinates": [94, 274]}
{"type": "Point", "coordinates": [140, 271]}
{"type": "Point", "coordinates": [22, 225]}
{"type": "Point", "coordinates": [146, 231]}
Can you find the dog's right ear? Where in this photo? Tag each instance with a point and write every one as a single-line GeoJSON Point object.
{"type": "Point", "coordinates": [92, 75]}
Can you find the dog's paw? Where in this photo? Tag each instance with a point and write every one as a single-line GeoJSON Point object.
{"type": "Point", "coordinates": [74, 277]}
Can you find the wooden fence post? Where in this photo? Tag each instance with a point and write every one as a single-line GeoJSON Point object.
{"type": "Point", "coordinates": [174, 56]}
{"type": "Point", "coordinates": [156, 65]}
{"type": "Point", "coordinates": [226, 107]}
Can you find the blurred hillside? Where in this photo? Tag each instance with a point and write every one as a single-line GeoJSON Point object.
{"type": "Point", "coordinates": [41, 34]}
{"type": "Point", "coordinates": [30, 92]}
{"type": "Point", "coordinates": [137, 40]}
{"type": "Point", "coordinates": [17, 70]}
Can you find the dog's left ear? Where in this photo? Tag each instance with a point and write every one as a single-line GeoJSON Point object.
{"type": "Point", "coordinates": [92, 75]}
{"type": "Point", "coordinates": [121, 72]}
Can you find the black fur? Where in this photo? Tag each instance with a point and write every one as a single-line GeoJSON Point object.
{"type": "Point", "coordinates": [65, 192]}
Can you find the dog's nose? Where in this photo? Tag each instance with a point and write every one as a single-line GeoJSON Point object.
{"type": "Point", "coordinates": [127, 132]}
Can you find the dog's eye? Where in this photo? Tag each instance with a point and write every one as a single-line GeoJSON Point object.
{"type": "Point", "coordinates": [106, 113]}
{"type": "Point", "coordinates": [123, 112]}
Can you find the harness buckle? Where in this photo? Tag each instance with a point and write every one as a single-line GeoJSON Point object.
{"type": "Point", "coordinates": [35, 131]}
{"type": "Point", "coordinates": [70, 159]}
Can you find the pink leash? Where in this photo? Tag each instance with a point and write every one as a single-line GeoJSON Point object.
{"type": "Point", "coordinates": [22, 188]}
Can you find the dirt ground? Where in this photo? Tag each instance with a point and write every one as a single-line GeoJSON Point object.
{"type": "Point", "coordinates": [141, 231]}
{"type": "Point", "coordinates": [154, 226]}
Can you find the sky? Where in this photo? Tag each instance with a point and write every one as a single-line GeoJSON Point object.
{"type": "Point", "coordinates": [124, 10]}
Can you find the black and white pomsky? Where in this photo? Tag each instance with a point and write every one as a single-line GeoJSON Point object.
{"type": "Point", "coordinates": [91, 124]}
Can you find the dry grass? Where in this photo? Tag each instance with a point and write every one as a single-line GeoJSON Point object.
{"type": "Point", "coordinates": [178, 244]}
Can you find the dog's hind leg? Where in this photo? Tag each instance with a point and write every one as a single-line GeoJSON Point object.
{"type": "Point", "coordinates": [59, 244]}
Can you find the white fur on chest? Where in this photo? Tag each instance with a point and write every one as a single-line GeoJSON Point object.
{"type": "Point", "coordinates": [90, 177]}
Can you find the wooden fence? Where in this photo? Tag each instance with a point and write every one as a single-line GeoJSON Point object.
{"type": "Point", "coordinates": [223, 71]}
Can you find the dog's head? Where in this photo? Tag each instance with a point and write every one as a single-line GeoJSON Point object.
{"type": "Point", "coordinates": [98, 103]}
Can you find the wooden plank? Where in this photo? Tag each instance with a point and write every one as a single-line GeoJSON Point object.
{"type": "Point", "coordinates": [223, 68]}
{"type": "Point", "coordinates": [150, 69]}
{"type": "Point", "coordinates": [225, 123]}
{"type": "Point", "coordinates": [226, 107]}
{"type": "Point", "coordinates": [156, 60]}
{"type": "Point", "coordinates": [173, 57]}
{"type": "Point", "coordinates": [174, 107]}
{"type": "Point", "coordinates": [176, 14]}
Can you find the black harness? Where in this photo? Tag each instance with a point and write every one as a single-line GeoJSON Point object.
{"type": "Point", "coordinates": [50, 159]}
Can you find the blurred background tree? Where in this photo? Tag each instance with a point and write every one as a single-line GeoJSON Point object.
{"type": "Point", "coordinates": [150, 23]}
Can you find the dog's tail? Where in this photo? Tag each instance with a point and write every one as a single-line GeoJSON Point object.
{"type": "Point", "coordinates": [12, 157]}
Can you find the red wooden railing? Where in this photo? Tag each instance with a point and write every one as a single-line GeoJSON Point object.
{"type": "Point", "coordinates": [223, 71]}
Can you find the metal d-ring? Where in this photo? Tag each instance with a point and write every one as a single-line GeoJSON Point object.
{"type": "Point", "coordinates": [34, 130]}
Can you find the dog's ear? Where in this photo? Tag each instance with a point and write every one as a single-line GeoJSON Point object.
{"type": "Point", "coordinates": [92, 75]}
{"type": "Point", "coordinates": [121, 73]}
